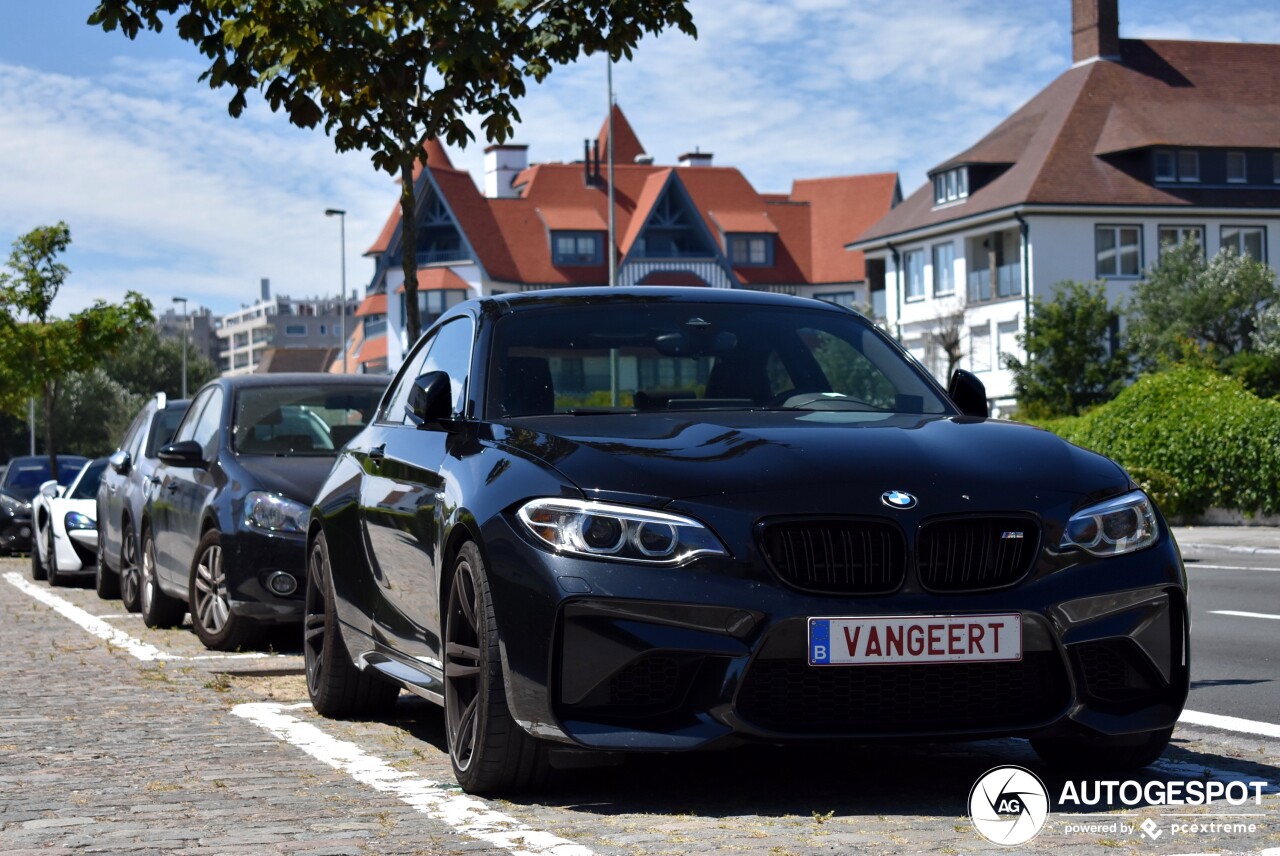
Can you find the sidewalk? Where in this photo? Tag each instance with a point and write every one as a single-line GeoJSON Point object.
{"type": "Point", "coordinates": [1263, 540]}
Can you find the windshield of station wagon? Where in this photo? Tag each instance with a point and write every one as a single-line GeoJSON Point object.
{"type": "Point", "coordinates": [654, 355]}
{"type": "Point", "coordinates": [301, 420]}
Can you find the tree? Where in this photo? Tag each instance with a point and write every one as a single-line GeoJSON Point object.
{"type": "Point", "coordinates": [38, 352]}
{"type": "Point", "coordinates": [1215, 303]}
{"type": "Point", "coordinates": [147, 364]}
{"type": "Point", "coordinates": [947, 337]}
{"type": "Point", "coordinates": [386, 75]}
{"type": "Point", "coordinates": [1074, 358]}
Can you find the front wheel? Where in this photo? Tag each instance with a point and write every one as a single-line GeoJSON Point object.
{"type": "Point", "coordinates": [1103, 754]}
{"type": "Point", "coordinates": [158, 608]}
{"type": "Point", "coordinates": [51, 558]}
{"type": "Point", "coordinates": [130, 570]}
{"type": "Point", "coordinates": [490, 753]}
{"type": "Point", "coordinates": [38, 570]}
{"type": "Point", "coordinates": [218, 627]}
{"type": "Point", "coordinates": [105, 581]}
{"type": "Point", "coordinates": [336, 687]}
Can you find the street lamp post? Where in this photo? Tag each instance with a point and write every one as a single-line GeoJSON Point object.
{"type": "Point", "coordinates": [342, 303]}
{"type": "Point", "coordinates": [183, 301]}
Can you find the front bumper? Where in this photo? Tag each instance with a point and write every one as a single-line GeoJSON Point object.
{"type": "Point", "coordinates": [248, 559]}
{"type": "Point", "coordinates": [614, 656]}
{"type": "Point", "coordinates": [15, 534]}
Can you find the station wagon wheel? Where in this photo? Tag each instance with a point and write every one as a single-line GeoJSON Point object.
{"type": "Point", "coordinates": [105, 582]}
{"type": "Point", "coordinates": [130, 570]}
{"type": "Point", "coordinates": [38, 571]}
{"type": "Point", "coordinates": [489, 751]}
{"type": "Point", "coordinates": [337, 688]}
{"type": "Point", "coordinates": [158, 609]}
{"type": "Point", "coordinates": [209, 598]}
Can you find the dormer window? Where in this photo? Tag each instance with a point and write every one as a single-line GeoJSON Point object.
{"type": "Point", "coordinates": [1181, 165]}
{"type": "Point", "coordinates": [950, 185]}
{"type": "Point", "coordinates": [751, 250]}
{"type": "Point", "coordinates": [576, 248]}
{"type": "Point", "coordinates": [1237, 168]}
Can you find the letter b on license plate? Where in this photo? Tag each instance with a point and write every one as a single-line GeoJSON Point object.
{"type": "Point", "coordinates": [914, 639]}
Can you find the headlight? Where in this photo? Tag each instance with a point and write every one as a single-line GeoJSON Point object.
{"type": "Point", "coordinates": [15, 507]}
{"type": "Point", "coordinates": [76, 520]}
{"type": "Point", "coordinates": [618, 532]}
{"type": "Point", "coordinates": [271, 512]}
{"type": "Point", "coordinates": [1121, 525]}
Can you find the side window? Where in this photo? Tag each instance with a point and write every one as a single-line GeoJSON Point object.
{"type": "Point", "coordinates": [409, 372]}
{"type": "Point", "coordinates": [132, 436]}
{"type": "Point", "coordinates": [207, 428]}
{"type": "Point", "coordinates": [188, 426]}
{"type": "Point", "coordinates": [451, 353]}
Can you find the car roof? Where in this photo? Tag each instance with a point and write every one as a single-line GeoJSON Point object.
{"type": "Point", "coordinates": [300, 379]}
{"type": "Point", "coordinates": [647, 293]}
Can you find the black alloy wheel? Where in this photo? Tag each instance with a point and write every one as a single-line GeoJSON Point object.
{"type": "Point", "coordinates": [336, 687]}
{"type": "Point", "coordinates": [158, 608]}
{"type": "Point", "coordinates": [105, 581]}
{"type": "Point", "coordinates": [51, 557]}
{"type": "Point", "coordinates": [490, 753]}
{"type": "Point", "coordinates": [38, 570]}
{"type": "Point", "coordinates": [130, 570]}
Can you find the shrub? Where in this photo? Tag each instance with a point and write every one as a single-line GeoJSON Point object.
{"type": "Point", "coordinates": [1194, 438]}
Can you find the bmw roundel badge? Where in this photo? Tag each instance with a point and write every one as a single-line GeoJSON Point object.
{"type": "Point", "coordinates": [898, 499]}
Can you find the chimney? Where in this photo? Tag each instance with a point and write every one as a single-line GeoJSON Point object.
{"type": "Point", "coordinates": [695, 158]}
{"type": "Point", "coordinates": [266, 289]}
{"type": "Point", "coordinates": [1095, 30]}
{"type": "Point", "coordinates": [501, 166]}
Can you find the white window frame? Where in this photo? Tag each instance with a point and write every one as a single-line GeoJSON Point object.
{"type": "Point", "coordinates": [1188, 165]}
{"type": "Point", "coordinates": [1117, 250]}
{"type": "Point", "coordinates": [913, 286]}
{"type": "Point", "coordinates": [1238, 243]}
{"type": "Point", "coordinates": [948, 266]}
{"type": "Point", "coordinates": [1237, 158]}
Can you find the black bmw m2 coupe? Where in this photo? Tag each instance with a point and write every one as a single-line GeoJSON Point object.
{"type": "Point", "coordinates": [651, 519]}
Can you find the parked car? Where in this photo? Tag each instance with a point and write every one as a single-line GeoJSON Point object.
{"type": "Point", "coordinates": [224, 522]}
{"type": "Point", "coordinates": [65, 526]}
{"type": "Point", "coordinates": [122, 494]}
{"type": "Point", "coordinates": [22, 480]}
{"type": "Point", "coordinates": [661, 519]}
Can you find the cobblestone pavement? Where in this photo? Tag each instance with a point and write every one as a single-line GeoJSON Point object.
{"type": "Point", "coordinates": [101, 752]}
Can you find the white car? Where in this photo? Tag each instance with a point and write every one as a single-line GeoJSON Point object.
{"type": "Point", "coordinates": [64, 532]}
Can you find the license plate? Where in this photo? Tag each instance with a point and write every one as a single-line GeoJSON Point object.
{"type": "Point", "coordinates": [884, 640]}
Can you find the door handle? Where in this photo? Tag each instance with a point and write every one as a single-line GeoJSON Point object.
{"type": "Point", "coordinates": [171, 486]}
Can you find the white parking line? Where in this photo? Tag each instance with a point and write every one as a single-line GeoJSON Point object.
{"type": "Point", "coordinates": [94, 624]}
{"type": "Point", "coordinates": [1193, 565]}
{"type": "Point", "coordinates": [468, 815]}
{"type": "Point", "coordinates": [1243, 614]}
{"type": "Point", "coordinates": [1230, 723]}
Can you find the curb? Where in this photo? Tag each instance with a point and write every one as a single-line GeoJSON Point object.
{"type": "Point", "coordinates": [1259, 551]}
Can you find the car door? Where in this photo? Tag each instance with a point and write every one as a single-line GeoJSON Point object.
{"type": "Point", "coordinates": [172, 485]}
{"type": "Point", "coordinates": [113, 492]}
{"type": "Point", "coordinates": [402, 501]}
{"type": "Point", "coordinates": [191, 487]}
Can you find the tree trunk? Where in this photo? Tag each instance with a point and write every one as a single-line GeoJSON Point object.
{"type": "Point", "coordinates": [50, 394]}
{"type": "Point", "coordinates": [409, 252]}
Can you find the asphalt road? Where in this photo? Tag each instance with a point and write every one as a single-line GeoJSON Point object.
{"type": "Point", "coordinates": [1235, 659]}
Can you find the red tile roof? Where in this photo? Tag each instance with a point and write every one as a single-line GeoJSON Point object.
{"type": "Point", "coordinates": [373, 349]}
{"type": "Point", "coordinates": [626, 145]}
{"type": "Point", "coordinates": [374, 304]}
{"type": "Point", "coordinates": [437, 279]}
{"type": "Point", "coordinates": [841, 209]}
{"type": "Point", "coordinates": [1063, 142]}
{"type": "Point", "coordinates": [572, 219]}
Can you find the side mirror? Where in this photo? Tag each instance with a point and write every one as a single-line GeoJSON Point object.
{"type": "Point", "coordinates": [430, 404]}
{"type": "Point", "coordinates": [49, 489]}
{"type": "Point", "coordinates": [187, 453]}
{"type": "Point", "coordinates": [121, 462]}
{"type": "Point", "coordinates": [969, 394]}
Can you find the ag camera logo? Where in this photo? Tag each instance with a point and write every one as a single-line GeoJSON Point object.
{"type": "Point", "coordinates": [1008, 805]}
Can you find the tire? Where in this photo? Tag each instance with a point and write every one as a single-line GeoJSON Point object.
{"type": "Point", "coordinates": [337, 688]}
{"type": "Point", "coordinates": [105, 581]}
{"type": "Point", "coordinates": [490, 753]}
{"type": "Point", "coordinates": [1103, 754]}
{"type": "Point", "coordinates": [209, 600]}
{"type": "Point", "coordinates": [38, 570]}
{"type": "Point", "coordinates": [158, 608]}
{"type": "Point", "coordinates": [130, 570]}
{"type": "Point", "coordinates": [51, 558]}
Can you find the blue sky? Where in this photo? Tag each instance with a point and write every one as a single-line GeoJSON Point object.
{"type": "Point", "coordinates": [168, 195]}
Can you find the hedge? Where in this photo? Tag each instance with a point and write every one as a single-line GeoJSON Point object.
{"type": "Point", "coordinates": [1195, 439]}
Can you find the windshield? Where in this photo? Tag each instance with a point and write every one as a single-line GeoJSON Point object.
{"type": "Point", "coordinates": [86, 485]}
{"type": "Point", "coordinates": [658, 355]}
{"type": "Point", "coordinates": [24, 477]}
{"type": "Point", "coordinates": [310, 419]}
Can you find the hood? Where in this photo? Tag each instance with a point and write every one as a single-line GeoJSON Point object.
{"type": "Point", "coordinates": [296, 477]}
{"type": "Point", "coordinates": [991, 463]}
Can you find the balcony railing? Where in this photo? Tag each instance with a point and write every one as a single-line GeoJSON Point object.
{"type": "Point", "coordinates": [1008, 283]}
